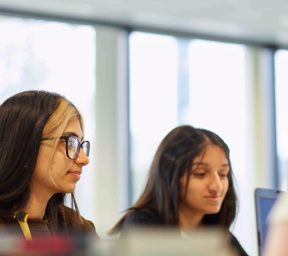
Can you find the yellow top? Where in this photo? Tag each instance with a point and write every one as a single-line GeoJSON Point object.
{"type": "Point", "coordinates": [21, 218]}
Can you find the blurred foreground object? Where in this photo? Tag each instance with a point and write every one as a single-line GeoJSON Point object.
{"type": "Point", "coordinates": [58, 245]}
{"type": "Point", "coordinates": [146, 242]}
{"type": "Point", "coordinates": [277, 238]}
{"type": "Point", "coordinates": [168, 242]}
{"type": "Point", "coordinates": [43, 245]}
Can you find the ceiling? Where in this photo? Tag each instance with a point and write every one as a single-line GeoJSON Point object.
{"type": "Point", "coordinates": [258, 21]}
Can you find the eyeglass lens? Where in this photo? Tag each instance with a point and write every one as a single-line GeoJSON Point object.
{"type": "Point", "coordinates": [73, 147]}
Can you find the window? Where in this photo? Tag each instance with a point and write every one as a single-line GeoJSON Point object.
{"type": "Point", "coordinates": [153, 105]}
{"type": "Point", "coordinates": [281, 67]}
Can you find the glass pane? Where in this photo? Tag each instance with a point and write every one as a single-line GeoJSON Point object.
{"type": "Point", "coordinates": [281, 67]}
{"type": "Point", "coordinates": [153, 74]}
{"type": "Point", "coordinates": [52, 56]}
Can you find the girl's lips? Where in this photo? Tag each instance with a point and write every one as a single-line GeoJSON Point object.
{"type": "Point", "coordinates": [75, 174]}
{"type": "Point", "coordinates": [214, 199]}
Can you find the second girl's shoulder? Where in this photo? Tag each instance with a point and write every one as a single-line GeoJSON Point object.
{"type": "Point", "coordinates": [143, 216]}
{"type": "Point", "coordinates": [236, 245]}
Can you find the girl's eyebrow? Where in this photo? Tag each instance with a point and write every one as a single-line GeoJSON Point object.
{"type": "Point", "coordinates": [199, 163]}
{"type": "Point", "coordinates": [72, 134]}
{"type": "Point", "coordinates": [206, 164]}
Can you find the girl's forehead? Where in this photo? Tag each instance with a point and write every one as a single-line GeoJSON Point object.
{"type": "Point", "coordinates": [74, 126]}
{"type": "Point", "coordinates": [210, 150]}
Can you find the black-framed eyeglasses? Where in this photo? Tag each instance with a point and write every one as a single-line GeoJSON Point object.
{"type": "Point", "coordinates": [73, 145]}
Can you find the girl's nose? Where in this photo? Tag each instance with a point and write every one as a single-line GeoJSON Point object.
{"type": "Point", "coordinates": [82, 158]}
{"type": "Point", "coordinates": [215, 184]}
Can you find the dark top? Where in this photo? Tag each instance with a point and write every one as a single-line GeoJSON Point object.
{"type": "Point", "coordinates": [69, 223]}
{"type": "Point", "coordinates": [148, 217]}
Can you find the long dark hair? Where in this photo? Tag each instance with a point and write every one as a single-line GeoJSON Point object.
{"type": "Point", "coordinates": [174, 158]}
{"type": "Point", "coordinates": [23, 118]}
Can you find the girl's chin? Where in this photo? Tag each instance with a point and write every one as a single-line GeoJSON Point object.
{"type": "Point", "coordinates": [69, 189]}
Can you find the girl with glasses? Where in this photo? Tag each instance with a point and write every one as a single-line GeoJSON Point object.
{"type": "Point", "coordinates": [189, 186]}
{"type": "Point", "coordinates": [41, 160]}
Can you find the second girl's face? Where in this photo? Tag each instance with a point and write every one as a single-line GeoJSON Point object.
{"type": "Point", "coordinates": [60, 174]}
{"type": "Point", "coordinates": [208, 182]}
